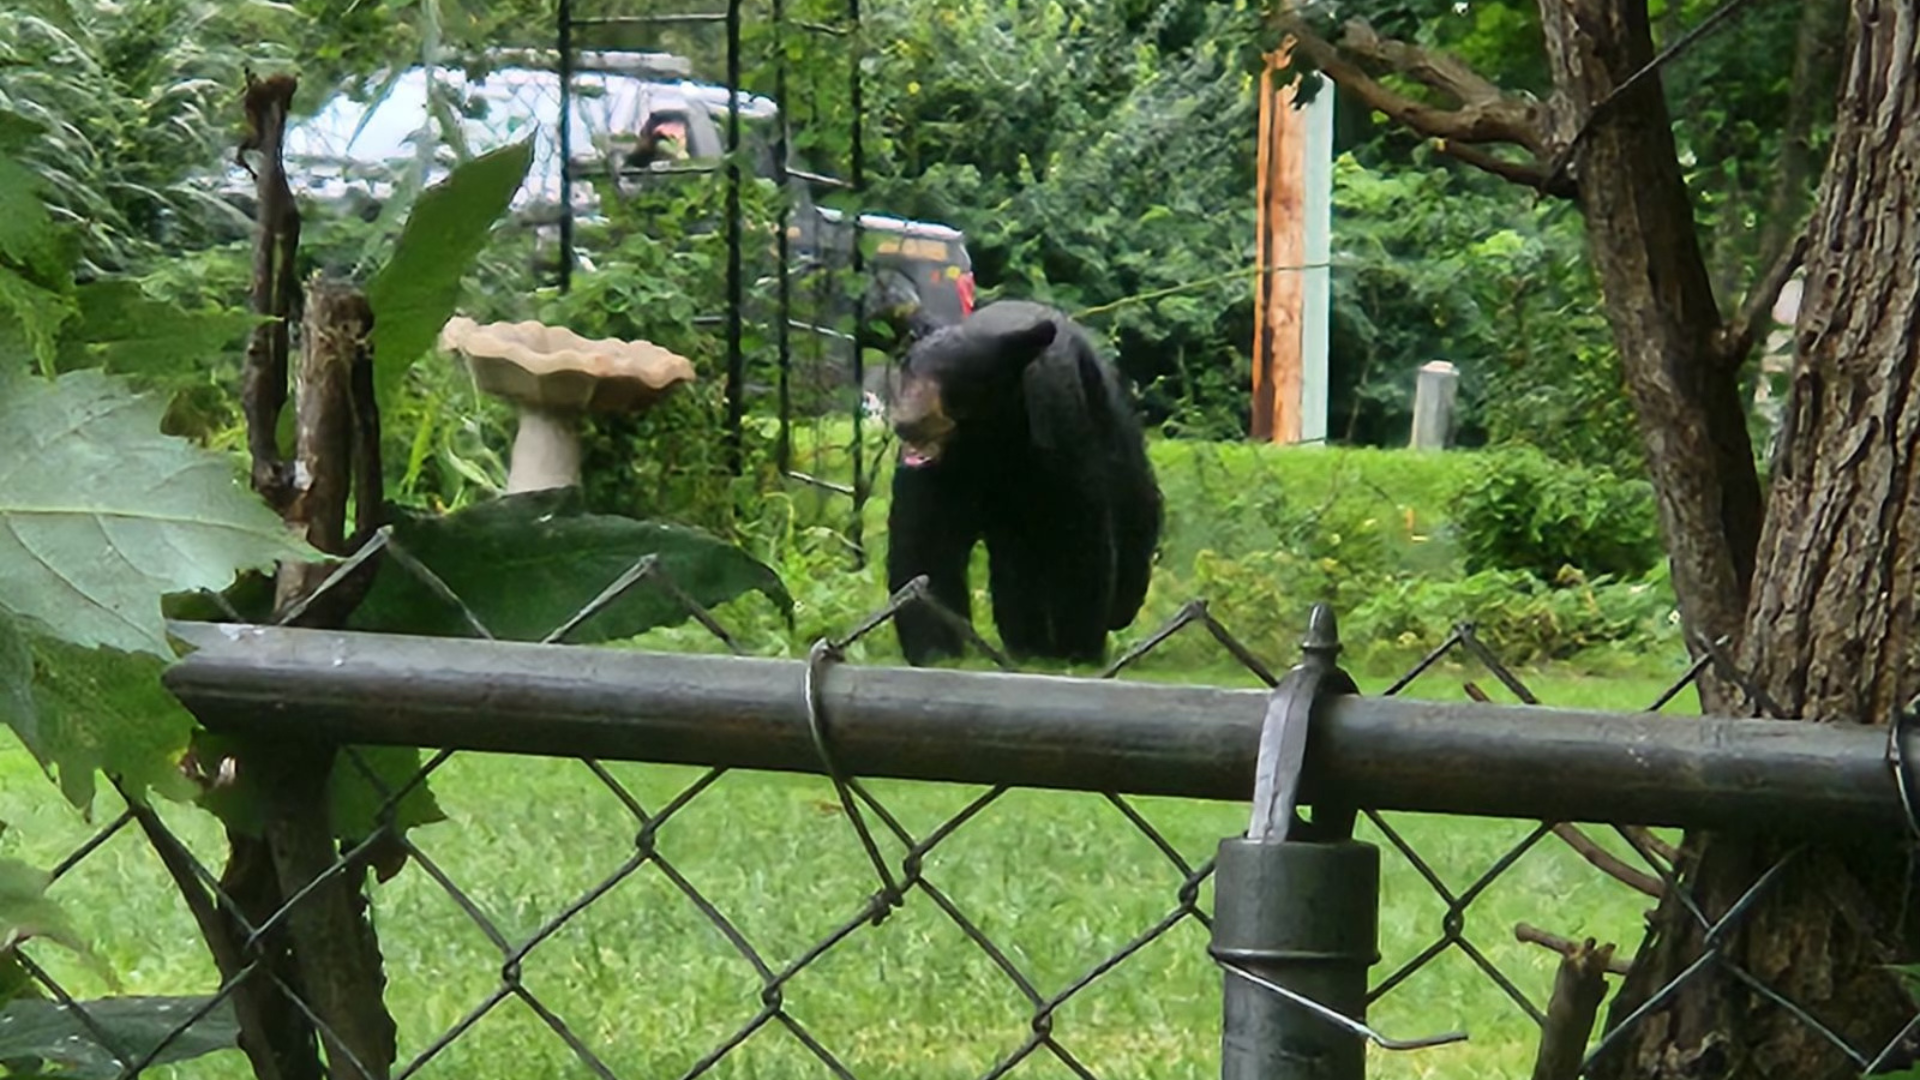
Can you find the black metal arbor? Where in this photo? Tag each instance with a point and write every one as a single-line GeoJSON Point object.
{"type": "Point", "coordinates": [582, 25]}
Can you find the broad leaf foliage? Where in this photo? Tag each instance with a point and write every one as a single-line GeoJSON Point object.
{"type": "Point", "coordinates": [100, 514]}
{"type": "Point", "coordinates": [414, 294]}
{"type": "Point", "coordinates": [525, 564]}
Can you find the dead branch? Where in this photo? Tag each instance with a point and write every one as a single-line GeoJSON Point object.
{"type": "Point", "coordinates": [1650, 845]}
{"type": "Point", "coordinates": [1525, 173]}
{"type": "Point", "coordinates": [369, 488]}
{"type": "Point", "coordinates": [341, 974]}
{"type": "Point", "coordinates": [1435, 70]}
{"type": "Point", "coordinates": [1607, 863]}
{"type": "Point", "coordinates": [336, 420]}
{"type": "Point", "coordinates": [1578, 988]}
{"type": "Point", "coordinates": [254, 1000]}
{"type": "Point", "coordinates": [275, 290]}
{"type": "Point", "coordinates": [1533, 935]}
{"type": "Point", "coordinates": [1485, 114]}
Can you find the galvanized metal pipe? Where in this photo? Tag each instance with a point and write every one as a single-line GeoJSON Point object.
{"type": "Point", "coordinates": [1305, 917]}
{"type": "Point", "coordinates": [1029, 730]}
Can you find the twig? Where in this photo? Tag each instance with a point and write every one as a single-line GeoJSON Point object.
{"type": "Point", "coordinates": [1578, 988]}
{"type": "Point", "coordinates": [1533, 935]}
{"type": "Point", "coordinates": [1607, 863]}
{"type": "Point", "coordinates": [229, 958]}
{"type": "Point", "coordinates": [1650, 844]}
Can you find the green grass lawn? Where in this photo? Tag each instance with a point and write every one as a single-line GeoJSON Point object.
{"type": "Point", "coordinates": [1059, 881]}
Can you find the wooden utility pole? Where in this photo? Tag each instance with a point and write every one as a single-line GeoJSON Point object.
{"type": "Point", "coordinates": [1290, 288]}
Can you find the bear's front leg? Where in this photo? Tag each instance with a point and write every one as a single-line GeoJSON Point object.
{"type": "Point", "coordinates": [1017, 583]}
{"type": "Point", "coordinates": [1080, 601]}
{"type": "Point", "coordinates": [932, 527]}
{"type": "Point", "coordinates": [1051, 572]}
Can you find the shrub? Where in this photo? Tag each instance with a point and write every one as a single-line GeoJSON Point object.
{"type": "Point", "coordinates": [1519, 617]}
{"type": "Point", "coordinates": [1522, 510]}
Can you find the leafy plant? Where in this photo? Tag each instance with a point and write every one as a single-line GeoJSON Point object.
{"type": "Point", "coordinates": [1521, 510]}
{"type": "Point", "coordinates": [1521, 618]}
{"type": "Point", "coordinates": [525, 565]}
{"type": "Point", "coordinates": [103, 515]}
{"type": "Point", "coordinates": [46, 1038]}
{"type": "Point", "coordinates": [417, 289]}
{"type": "Point", "coordinates": [26, 912]}
{"type": "Point", "coordinates": [126, 104]}
{"type": "Point", "coordinates": [91, 490]}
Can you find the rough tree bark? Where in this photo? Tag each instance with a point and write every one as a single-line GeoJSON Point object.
{"type": "Point", "coordinates": [1821, 604]}
{"type": "Point", "coordinates": [1615, 154]}
{"type": "Point", "coordinates": [1831, 630]}
{"type": "Point", "coordinates": [1660, 304]}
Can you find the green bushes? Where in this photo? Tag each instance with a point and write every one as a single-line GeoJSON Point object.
{"type": "Point", "coordinates": [1521, 510]}
{"type": "Point", "coordinates": [1547, 561]}
{"type": "Point", "coordinates": [1403, 545]}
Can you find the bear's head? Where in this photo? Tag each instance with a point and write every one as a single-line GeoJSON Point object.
{"type": "Point", "coordinates": [959, 379]}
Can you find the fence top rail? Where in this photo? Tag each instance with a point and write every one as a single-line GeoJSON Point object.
{"type": "Point", "coordinates": [1028, 730]}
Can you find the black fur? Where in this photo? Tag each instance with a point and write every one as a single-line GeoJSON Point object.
{"type": "Point", "coordinates": [1038, 453]}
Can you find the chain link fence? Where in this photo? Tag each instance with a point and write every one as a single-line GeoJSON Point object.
{"type": "Point", "coordinates": [1063, 934]}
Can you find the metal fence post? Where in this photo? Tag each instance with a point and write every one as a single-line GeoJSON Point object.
{"type": "Point", "coordinates": [1303, 916]}
{"type": "Point", "coordinates": [1296, 921]}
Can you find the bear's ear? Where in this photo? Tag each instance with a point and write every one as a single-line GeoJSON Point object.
{"type": "Point", "coordinates": [1024, 345]}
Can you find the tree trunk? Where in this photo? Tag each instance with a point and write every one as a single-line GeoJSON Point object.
{"type": "Point", "coordinates": [1660, 304]}
{"type": "Point", "coordinates": [1831, 629]}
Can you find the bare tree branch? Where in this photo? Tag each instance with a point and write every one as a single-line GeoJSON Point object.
{"type": "Point", "coordinates": [1567, 947]}
{"type": "Point", "coordinates": [1605, 861]}
{"type": "Point", "coordinates": [1435, 70]}
{"type": "Point", "coordinates": [1736, 337]}
{"type": "Point", "coordinates": [1526, 173]}
{"type": "Point", "coordinates": [219, 932]}
{"type": "Point", "coordinates": [1649, 845]}
{"type": "Point", "coordinates": [276, 290]}
{"type": "Point", "coordinates": [1485, 115]}
{"type": "Point", "coordinates": [1578, 988]}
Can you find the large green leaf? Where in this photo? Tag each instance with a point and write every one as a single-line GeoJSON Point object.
{"type": "Point", "coordinates": [100, 514]}
{"type": "Point", "coordinates": [33, 1030]}
{"type": "Point", "coordinates": [106, 710]}
{"type": "Point", "coordinates": [525, 564]}
{"type": "Point", "coordinates": [25, 911]}
{"type": "Point", "coordinates": [415, 293]}
{"type": "Point", "coordinates": [29, 239]}
{"type": "Point", "coordinates": [126, 331]}
{"type": "Point", "coordinates": [17, 709]}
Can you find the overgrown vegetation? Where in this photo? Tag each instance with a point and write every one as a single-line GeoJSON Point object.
{"type": "Point", "coordinates": [1098, 156]}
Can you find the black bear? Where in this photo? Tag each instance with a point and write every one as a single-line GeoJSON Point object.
{"type": "Point", "coordinates": [1013, 430]}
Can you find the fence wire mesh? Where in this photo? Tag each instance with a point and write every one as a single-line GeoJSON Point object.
{"type": "Point", "coordinates": [625, 888]}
